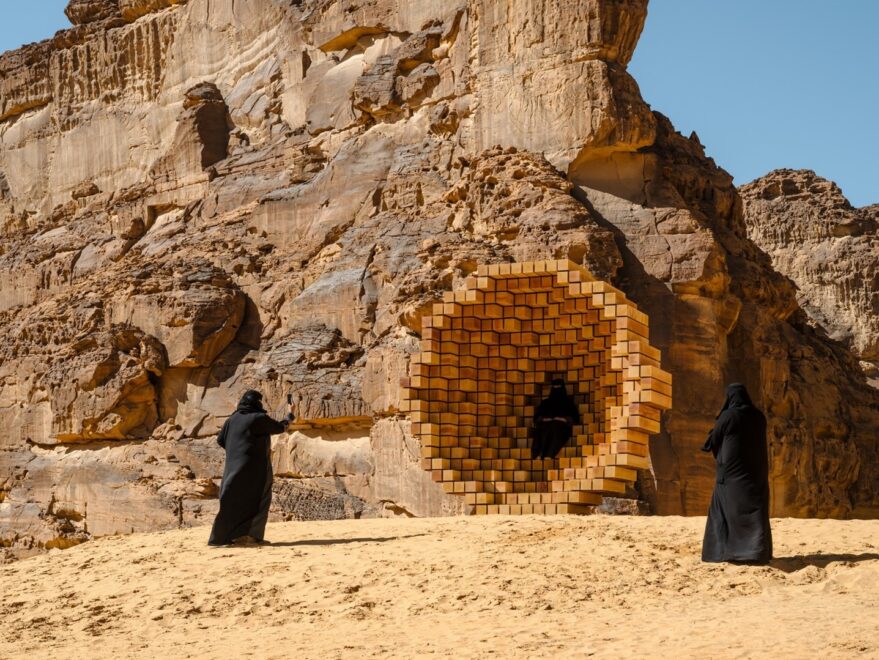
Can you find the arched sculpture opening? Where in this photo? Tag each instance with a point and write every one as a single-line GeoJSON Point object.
{"type": "Point", "coordinates": [488, 355]}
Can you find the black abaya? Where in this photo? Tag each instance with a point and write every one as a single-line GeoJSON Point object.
{"type": "Point", "coordinates": [738, 529]}
{"type": "Point", "coordinates": [246, 490]}
{"type": "Point", "coordinates": [550, 432]}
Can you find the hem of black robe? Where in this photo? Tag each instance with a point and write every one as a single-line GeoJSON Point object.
{"type": "Point", "coordinates": [748, 559]}
{"type": "Point", "coordinates": [236, 532]}
{"type": "Point", "coordinates": [749, 562]}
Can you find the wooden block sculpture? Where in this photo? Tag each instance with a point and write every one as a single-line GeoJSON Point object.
{"type": "Point", "coordinates": [488, 354]}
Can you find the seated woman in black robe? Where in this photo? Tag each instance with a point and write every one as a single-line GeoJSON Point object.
{"type": "Point", "coordinates": [246, 489]}
{"type": "Point", "coordinates": [554, 420]}
{"type": "Point", "coordinates": [738, 529]}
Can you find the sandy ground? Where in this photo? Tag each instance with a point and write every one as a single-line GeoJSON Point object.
{"type": "Point", "coordinates": [520, 587]}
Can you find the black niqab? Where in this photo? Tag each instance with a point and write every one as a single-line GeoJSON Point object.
{"type": "Point", "coordinates": [558, 404]}
{"type": "Point", "coordinates": [251, 401]}
{"type": "Point", "coordinates": [738, 528]}
{"type": "Point", "coordinates": [246, 489]}
{"type": "Point", "coordinates": [551, 434]}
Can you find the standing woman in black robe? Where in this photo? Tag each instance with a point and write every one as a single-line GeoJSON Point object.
{"type": "Point", "coordinates": [246, 490]}
{"type": "Point", "coordinates": [554, 420]}
{"type": "Point", "coordinates": [738, 529]}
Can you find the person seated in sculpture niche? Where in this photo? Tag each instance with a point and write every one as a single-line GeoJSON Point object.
{"type": "Point", "coordinates": [246, 489]}
{"type": "Point", "coordinates": [737, 529]}
{"type": "Point", "coordinates": [554, 421]}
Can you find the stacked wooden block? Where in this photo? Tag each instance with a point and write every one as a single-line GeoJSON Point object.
{"type": "Point", "coordinates": [488, 355]}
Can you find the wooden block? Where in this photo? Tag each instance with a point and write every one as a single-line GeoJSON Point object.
{"type": "Point", "coordinates": [644, 410]}
{"type": "Point", "coordinates": [642, 360]}
{"type": "Point", "coordinates": [627, 460]}
{"type": "Point", "coordinates": [624, 448]}
{"type": "Point", "coordinates": [640, 423]}
{"type": "Point", "coordinates": [643, 348]}
{"type": "Point", "coordinates": [656, 373]}
{"type": "Point", "coordinates": [582, 497]}
{"type": "Point", "coordinates": [629, 435]}
{"type": "Point", "coordinates": [618, 472]}
{"type": "Point", "coordinates": [625, 323]}
{"type": "Point", "coordinates": [630, 310]}
{"type": "Point", "coordinates": [608, 486]}
{"type": "Point", "coordinates": [656, 385]}
{"type": "Point", "coordinates": [662, 401]}
{"type": "Point", "coordinates": [427, 357]}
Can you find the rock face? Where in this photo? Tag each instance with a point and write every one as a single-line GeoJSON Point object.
{"type": "Point", "coordinates": [81, 12]}
{"type": "Point", "coordinates": [199, 197]}
{"type": "Point", "coordinates": [828, 248]}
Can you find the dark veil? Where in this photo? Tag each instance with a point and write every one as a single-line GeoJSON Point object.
{"type": "Point", "coordinates": [558, 403]}
{"type": "Point", "coordinates": [736, 397]}
{"type": "Point", "coordinates": [251, 401]}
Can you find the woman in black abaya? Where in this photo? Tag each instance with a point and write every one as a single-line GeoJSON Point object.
{"type": "Point", "coordinates": [246, 490]}
{"type": "Point", "coordinates": [738, 529]}
{"type": "Point", "coordinates": [554, 420]}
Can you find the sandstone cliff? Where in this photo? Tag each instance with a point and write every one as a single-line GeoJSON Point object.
{"type": "Point", "coordinates": [199, 197]}
{"type": "Point", "coordinates": [828, 248]}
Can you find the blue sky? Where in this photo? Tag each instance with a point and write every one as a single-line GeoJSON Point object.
{"type": "Point", "coordinates": [764, 83]}
{"type": "Point", "coordinates": [26, 22]}
{"type": "Point", "coordinates": [769, 84]}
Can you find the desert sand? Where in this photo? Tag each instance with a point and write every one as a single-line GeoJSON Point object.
{"type": "Point", "coordinates": [523, 587]}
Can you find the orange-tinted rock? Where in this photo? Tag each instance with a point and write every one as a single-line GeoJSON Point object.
{"type": "Point", "coordinates": [89, 11]}
{"type": "Point", "coordinates": [208, 196]}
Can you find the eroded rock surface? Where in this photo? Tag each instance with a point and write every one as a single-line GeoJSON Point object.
{"type": "Point", "coordinates": [200, 197]}
{"type": "Point", "coordinates": [828, 248]}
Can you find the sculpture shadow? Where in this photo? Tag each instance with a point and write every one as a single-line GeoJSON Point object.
{"type": "Point", "coordinates": [324, 542]}
{"type": "Point", "coordinates": [796, 563]}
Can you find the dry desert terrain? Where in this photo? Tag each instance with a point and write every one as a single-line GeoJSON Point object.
{"type": "Point", "coordinates": [505, 587]}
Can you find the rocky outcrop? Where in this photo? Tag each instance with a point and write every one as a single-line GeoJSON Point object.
{"type": "Point", "coordinates": [81, 12]}
{"type": "Point", "coordinates": [133, 9]}
{"type": "Point", "coordinates": [197, 198]}
{"type": "Point", "coordinates": [200, 140]}
{"type": "Point", "coordinates": [828, 248]}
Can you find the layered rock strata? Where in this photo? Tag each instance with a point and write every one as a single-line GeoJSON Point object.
{"type": "Point", "coordinates": [199, 197]}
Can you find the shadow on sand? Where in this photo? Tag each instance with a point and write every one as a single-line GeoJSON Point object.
{"type": "Point", "coordinates": [321, 542]}
{"type": "Point", "coordinates": [799, 562]}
